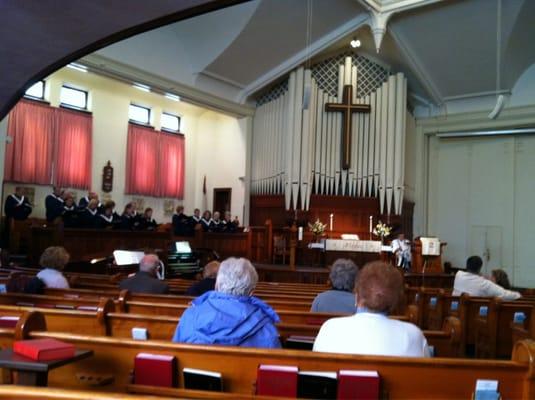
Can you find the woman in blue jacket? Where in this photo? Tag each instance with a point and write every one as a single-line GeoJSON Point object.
{"type": "Point", "coordinates": [230, 315]}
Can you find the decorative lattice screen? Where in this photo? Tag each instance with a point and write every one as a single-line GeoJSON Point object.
{"type": "Point", "coordinates": [370, 76]}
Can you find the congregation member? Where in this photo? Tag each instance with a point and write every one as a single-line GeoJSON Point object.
{"type": "Point", "coordinates": [54, 204]}
{"type": "Point", "coordinates": [230, 315]}
{"type": "Point", "coordinates": [181, 223]}
{"type": "Point", "coordinates": [145, 280]}
{"type": "Point", "coordinates": [52, 262]}
{"type": "Point", "coordinates": [108, 219]}
{"type": "Point", "coordinates": [146, 222]}
{"type": "Point", "coordinates": [17, 206]}
{"type": "Point", "coordinates": [88, 217]}
{"type": "Point", "coordinates": [401, 248]}
{"type": "Point", "coordinates": [70, 213]}
{"type": "Point", "coordinates": [339, 299]}
{"type": "Point", "coordinates": [499, 277]}
{"type": "Point", "coordinates": [206, 221]}
{"type": "Point", "coordinates": [472, 283]}
{"type": "Point", "coordinates": [370, 331]}
{"type": "Point", "coordinates": [207, 282]}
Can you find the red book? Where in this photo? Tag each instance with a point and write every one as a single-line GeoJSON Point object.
{"type": "Point", "coordinates": [277, 380]}
{"type": "Point", "coordinates": [8, 321]}
{"type": "Point", "coordinates": [155, 370]}
{"type": "Point", "coordinates": [44, 349]}
{"type": "Point", "coordinates": [358, 385]}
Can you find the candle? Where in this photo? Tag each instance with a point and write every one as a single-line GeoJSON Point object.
{"type": "Point", "coordinates": [371, 224]}
{"type": "Point", "coordinates": [300, 233]}
{"type": "Point", "coordinates": [331, 222]}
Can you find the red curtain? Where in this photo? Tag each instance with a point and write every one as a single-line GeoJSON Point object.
{"type": "Point", "coordinates": [171, 165]}
{"type": "Point", "coordinates": [142, 161]}
{"type": "Point", "coordinates": [73, 149]}
{"type": "Point", "coordinates": [29, 156]}
{"type": "Point", "coordinates": [154, 163]}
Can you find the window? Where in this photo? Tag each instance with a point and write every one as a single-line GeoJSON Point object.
{"type": "Point", "coordinates": [170, 122]}
{"type": "Point", "coordinates": [139, 114]}
{"type": "Point", "coordinates": [154, 162]}
{"type": "Point", "coordinates": [50, 146]}
{"type": "Point", "coordinates": [71, 97]}
{"type": "Point", "coordinates": [36, 91]}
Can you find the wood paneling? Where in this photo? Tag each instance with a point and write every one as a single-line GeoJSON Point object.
{"type": "Point", "coordinates": [351, 215]}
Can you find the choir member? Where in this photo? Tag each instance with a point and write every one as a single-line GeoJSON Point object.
{"type": "Point", "coordinates": [181, 223]}
{"type": "Point", "coordinates": [206, 220]}
{"type": "Point", "coordinates": [216, 224]}
{"type": "Point", "coordinates": [17, 206]}
{"type": "Point", "coordinates": [228, 225]}
{"type": "Point", "coordinates": [147, 223]}
{"type": "Point", "coordinates": [128, 218]}
{"type": "Point", "coordinates": [88, 217]}
{"type": "Point", "coordinates": [84, 201]}
{"type": "Point", "coordinates": [54, 204]}
{"type": "Point", "coordinates": [108, 219]}
{"type": "Point", "coordinates": [196, 217]}
{"type": "Point", "coordinates": [70, 213]}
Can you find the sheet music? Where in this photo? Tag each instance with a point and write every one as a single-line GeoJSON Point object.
{"type": "Point", "coordinates": [124, 257]}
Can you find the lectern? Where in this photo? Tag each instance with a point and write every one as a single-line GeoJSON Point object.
{"type": "Point", "coordinates": [427, 256]}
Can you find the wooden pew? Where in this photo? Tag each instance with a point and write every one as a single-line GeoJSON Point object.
{"type": "Point", "coordinates": [39, 393]}
{"type": "Point", "coordinates": [493, 331]}
{"type": "Point", "coordinates": [401, 377]}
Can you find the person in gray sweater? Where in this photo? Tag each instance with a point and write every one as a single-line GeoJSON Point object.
{"type": "Point", "coordinates": [145, 280]}
{"type": "Point", "coordinates": [340, 299]}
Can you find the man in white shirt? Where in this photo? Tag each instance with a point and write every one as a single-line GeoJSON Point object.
{"type": "Point", "coordinates": [472, 283]}
{"type": "Point", "coordinates": [370, 331]}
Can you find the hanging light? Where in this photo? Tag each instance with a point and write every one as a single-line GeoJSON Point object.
{"type": "Point", "coordinates": [355, 43]}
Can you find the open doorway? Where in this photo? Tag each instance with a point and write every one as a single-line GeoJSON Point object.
{"type": "Point", "coordinates": [222, 197]}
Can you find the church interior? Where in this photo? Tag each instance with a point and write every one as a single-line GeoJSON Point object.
{"type": "Point", "coordinates": [267, 199]}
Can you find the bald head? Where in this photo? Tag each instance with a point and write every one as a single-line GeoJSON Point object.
{"type": "Point", "coordinates": [210, 269]}
{"type": "Point", "coordinates": [149, 263]}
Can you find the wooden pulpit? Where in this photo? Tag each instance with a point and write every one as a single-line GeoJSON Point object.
{"type": "Point", "coordinates": [428, 264]}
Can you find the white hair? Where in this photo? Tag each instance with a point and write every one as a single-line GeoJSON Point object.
{"type": "Point", "coordinates": [236, 276]}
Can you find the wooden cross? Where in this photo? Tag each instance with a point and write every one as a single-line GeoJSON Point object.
{"type": "Point", "coordinates": [347, 108]}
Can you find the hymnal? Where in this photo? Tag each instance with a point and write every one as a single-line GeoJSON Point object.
{"type": "Point", "coordinates": [486, 390]}
{"type": "Point", "coordinates": [155, 370]}
{"type": "Point", "coordinates": [140, 334]}
{"type": "Point", "coordinates": [199, 379]}
{"type": "Point", "coordinates": [277, 380]}
{"type": "Point", "coordinates": [354, 384]}
{"type": "Point", "coordinates": [316, 385]}
{"type": "Point", "coordinates": [8, 321]}
{"type": "Point", "coordinates": [44, 349]}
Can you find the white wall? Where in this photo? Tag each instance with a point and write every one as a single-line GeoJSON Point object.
{"type": "Point", "coordinates": [223, 138]}
{"type": "Point", "coordinates": [215, 144]}
{"type": "Point", "coordinates": [477, 194]}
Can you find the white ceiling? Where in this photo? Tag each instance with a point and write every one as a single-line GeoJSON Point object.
{"type": "Point", "coordinates": [447, 49]}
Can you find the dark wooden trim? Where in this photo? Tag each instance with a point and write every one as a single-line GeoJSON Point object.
{"type": "Point", "coordinates": [75, 109]}
{"type": "Point", "coordinates": [116, 37]}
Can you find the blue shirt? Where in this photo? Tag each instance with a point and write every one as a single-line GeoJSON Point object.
{"type": "Point", "coordinates": [224, 319]}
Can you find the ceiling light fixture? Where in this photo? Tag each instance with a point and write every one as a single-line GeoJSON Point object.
{"type": "Point", "coordinates": [77, 67]}
{"type": "Point", "coordinates": [142, 87]}
{"type": "Point", "coordinates": [355, 43]}
{"type": "Point", "coordinates": [172, 96]}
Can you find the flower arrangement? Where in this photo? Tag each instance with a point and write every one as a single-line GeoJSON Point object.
{"type": "Point", "coordinates": [317, 228]}
{"type": "Point", "coordinates": [382, 230]}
